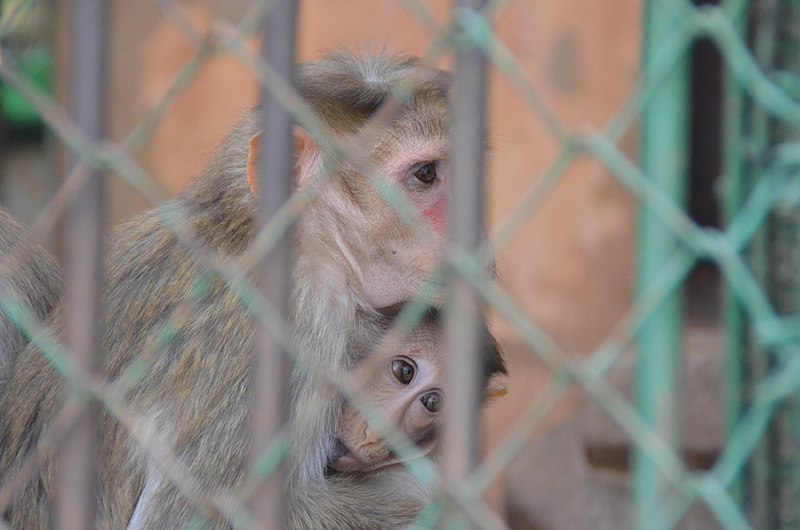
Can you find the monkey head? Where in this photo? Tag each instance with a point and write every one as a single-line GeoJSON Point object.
{"type": "Point", "coordinates": [403, 145]}
{"type": "Point", "coordinates": [408, 389]}
{"type": "Point", "coordinates": [407, 386]}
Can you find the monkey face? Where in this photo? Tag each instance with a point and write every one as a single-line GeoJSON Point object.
{"type": "Point", "coordinates": [402, 148]}
{"type": "Point", "coordinates": [405, 382]}
{"type": "Point", "coordinates": [387, 255]}
{"type": "Point", "coordinates": [391, 259]}
{"type": "Point", "coordinates": [408, 390]}
{"type": "Point", "coordinates": [405, 256]}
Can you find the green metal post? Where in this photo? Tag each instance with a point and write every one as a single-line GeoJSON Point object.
{"type": "Point", "coordinates": [733, 195]}
{"type": "Point", "coordinates": [664, 158]}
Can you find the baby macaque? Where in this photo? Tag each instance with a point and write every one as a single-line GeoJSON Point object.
{"type": "Point", "coordinates": [407, 385]}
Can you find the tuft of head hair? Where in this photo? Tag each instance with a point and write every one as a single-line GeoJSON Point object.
{"type": "Point", "coordinates": [347, 89]}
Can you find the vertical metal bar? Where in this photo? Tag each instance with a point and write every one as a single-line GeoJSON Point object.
{"type": "Point", "coordinates": [83, 239]}
{"type": "Point", "coordinates": [732, 199]}
{"type": "Point", "coordinates": [464, 312]}
{"type": "Point", "coordinates": [664, 158]}
{"type": "Point", "coordinates": [270, 363]}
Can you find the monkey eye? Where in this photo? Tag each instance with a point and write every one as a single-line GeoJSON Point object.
{"type": "Point", "coordinates": [432, 401]}
{"type": "Point", "coordinates": [403, 371]}
{"type": "Point", "coordinates": [426, 173]}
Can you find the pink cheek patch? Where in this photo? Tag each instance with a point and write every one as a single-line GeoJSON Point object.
{"type": "Point", "coordinates": [436, 215]}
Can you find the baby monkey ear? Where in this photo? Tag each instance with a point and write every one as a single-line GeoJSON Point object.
{"type": "Point", "coordinates": [496, 388]}
{"type": "Point", "coordinates": [306, 157]}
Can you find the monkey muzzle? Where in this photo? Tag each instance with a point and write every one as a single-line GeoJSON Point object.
{"type": "Point", "coordinates": [345, 460]}
{"type": "Point", "coordinates": [342, 459]}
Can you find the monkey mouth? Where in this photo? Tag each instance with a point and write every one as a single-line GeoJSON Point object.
{"type": "Point", "coordinates": [344, 460]}
{"type": "Point", "coordinates": [339, 450]}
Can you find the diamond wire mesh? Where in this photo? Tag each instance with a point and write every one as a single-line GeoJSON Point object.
{"type": "Point", "coordinates": [761, 199]}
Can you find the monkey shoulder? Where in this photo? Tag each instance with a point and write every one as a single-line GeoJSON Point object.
{"type": "Point", "coordinates": [32, 283]}
{"type": "Point", "coordinates": [356, 501]}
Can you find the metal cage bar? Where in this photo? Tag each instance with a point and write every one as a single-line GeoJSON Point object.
{"type": "Point", "coordinates": [733, 196]}
{"type": "Point", "coordinates": [464, 309]}
{"type": "Point", "coordinates": [83, 249]}
{"type": "Point", "coordinates": [270, 372]}
{"type": "Point", "coordinates": [664, 158]}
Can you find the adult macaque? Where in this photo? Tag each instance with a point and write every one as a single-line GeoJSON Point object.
{"type": "Point", "coordinates": [354, 258]}
{"type": "Point", "coordinates": [29, 278]}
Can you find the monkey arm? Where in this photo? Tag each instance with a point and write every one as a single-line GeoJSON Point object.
{"type": "Point", "coordinates": [368, 501]}
{"type": "Point", "coordinates": [345, 502]}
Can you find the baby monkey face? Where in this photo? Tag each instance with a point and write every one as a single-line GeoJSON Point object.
{"type": "Point", "coordinates": [405, 381]}
{"type": "Point", "coordinates": [407, 388]}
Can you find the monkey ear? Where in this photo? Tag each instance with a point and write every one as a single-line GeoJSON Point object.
{"type": "Point", "coordinates": [495, 388]}
{"type": "Point", "coordinates": [252, 163]}
{"type": "Point", "coordinates": [306, 156]}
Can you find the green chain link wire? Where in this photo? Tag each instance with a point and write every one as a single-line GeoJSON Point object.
{"type": "Point", "coordinates": [755, 483]}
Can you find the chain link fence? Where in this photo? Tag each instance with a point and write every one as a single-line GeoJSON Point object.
{"type": "Point", "coordinates": [755, 480]}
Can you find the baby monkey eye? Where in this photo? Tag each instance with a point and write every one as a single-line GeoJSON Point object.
{"type": "Point", "coordinates": [426, 173]}
{"type": "Point", "coordinates": [432, 401]}
{"type": "Point", "coordinates": [403, 371]}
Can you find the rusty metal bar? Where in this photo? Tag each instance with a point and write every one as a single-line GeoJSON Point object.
{"type": "Point", "coordinates": [271, 370]}
{"type": "Point", "coordinates": [464, 313]}
{"type": "Point", "coordinates": [83, 253]}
